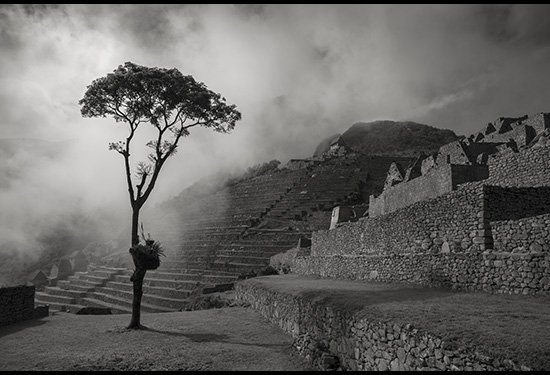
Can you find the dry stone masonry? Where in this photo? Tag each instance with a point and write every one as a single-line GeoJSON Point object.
{"type": "Point", "coordinates": [437, 229]}
{"type": "Point", "coordinates": [331, 337]}
{"type": "Point", "coordinates": [17, 304]}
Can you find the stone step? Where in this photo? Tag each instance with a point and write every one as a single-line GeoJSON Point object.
{"type": "Point", "coordinates": [190, 233]}
{"type": "Point", "coordinates": [92, 267]}
{"type": "Point", "coordinates": [49, 298]}
{"type": "Point", "coordinates": [65, 284]}
{"type": "Point", "coordinates": [165, 283]}
{"type": "Point", "coordinates": [123, 301]}
{"type": "Point", "coordinates": [92, 278]}
{"type": "Point", "coordinates": [237, 267]}
{"type": "Point", "coordinates": [245, 260]}
{"type": "Point", "coordinates": [207, 277]}
{"type": "Point", "coordinates": [150, 299]}
{"type": "Point", "coordinates": [159, 291]}
{"type": "Point", "coordinates": [75, 281]}
{"type": "Point", "coordinates": [244, 252]}
{"type": "Point", "coordinates": [252, 246]}
{"type": "Point", "coordinates": [98, 272]}
{"type": "Point", "coordinates": [167, 275]}
{"type": "Point", "coordinates": [56, 291]}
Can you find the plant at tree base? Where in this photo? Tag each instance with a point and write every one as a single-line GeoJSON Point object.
{"type": "Point", "coordinates": [147, 255]}
{"type": "Point", "coordinates": [173, 104]}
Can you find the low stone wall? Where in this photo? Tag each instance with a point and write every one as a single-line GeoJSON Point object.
{"type": "Point", "coordinates": [323, 332]}
{"type": "Point", "coordinates": [16, 304]}
{"type": "Point", "coordinates": [493, 272]}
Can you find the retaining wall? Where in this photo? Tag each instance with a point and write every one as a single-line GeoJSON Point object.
{"type": "Point", "coordinates": [447, 241]}
{"type": "Point", "coordinates": [16, 304]}
{"type": "Point", "coordinates": [321, 331]}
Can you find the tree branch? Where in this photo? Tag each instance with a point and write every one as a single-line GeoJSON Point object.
{"type": "Point", "coordinates": [141, 184]}
{"type": "Point", "coordinates": [126, 155]}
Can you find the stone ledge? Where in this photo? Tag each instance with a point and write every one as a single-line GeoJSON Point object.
{"type": "Point", "coordinates": [326, 334]}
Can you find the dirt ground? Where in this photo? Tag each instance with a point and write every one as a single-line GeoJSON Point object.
{"type": "Point", "coordinates": [232, 338]}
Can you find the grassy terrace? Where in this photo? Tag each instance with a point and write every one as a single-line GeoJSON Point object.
{"type": "Point", "coordinates": [501, 326]}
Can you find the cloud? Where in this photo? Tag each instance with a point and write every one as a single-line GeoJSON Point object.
{"type": "Point", "coordinates": [298, 73]}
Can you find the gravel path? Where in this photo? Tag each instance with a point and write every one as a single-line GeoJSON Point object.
{"type": "Point", "coordinates": [232, 338]}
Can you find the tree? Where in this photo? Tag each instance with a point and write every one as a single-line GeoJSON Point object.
{"type": "Point", "coordinates": [172, 103]}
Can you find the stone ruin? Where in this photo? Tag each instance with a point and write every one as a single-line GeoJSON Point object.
{"type": "Point", "coordinates": [458, 162]}
{"type": "Point", "coordinates": [473, 216]}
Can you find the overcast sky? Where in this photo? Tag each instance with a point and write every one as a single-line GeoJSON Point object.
{"type": "Point", "coordinates": [298, 73]}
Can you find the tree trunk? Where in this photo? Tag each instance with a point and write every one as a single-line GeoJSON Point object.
{"type": "Point", "coordinates": [137, 277]}
{"type": "Point", "coordinates": [135, 224]}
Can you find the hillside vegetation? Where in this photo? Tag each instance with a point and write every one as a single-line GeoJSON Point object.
{"type": "Point", "coordinates": [395, 138]}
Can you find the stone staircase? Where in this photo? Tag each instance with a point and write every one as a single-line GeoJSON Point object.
{"type": "Point", "coordinates": [103, 287]}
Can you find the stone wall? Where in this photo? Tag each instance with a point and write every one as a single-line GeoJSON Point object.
{"type": "Point", "coordinates": [513, 203]}
{"type": "Point", "coordinates": [323, 333]}
{"type": "Point", "coordinates": [522, 134]}
{"type": "Point", "coordinates": [438, 181]}
{"type": "Point", "coordinates": [531, 234]}
{"type": "Point", "coordinates": [526, 168]}
{"type": "Point", "coordinates": [447, 241]}
{"type": "Point", "coordinates": [453, 153]}
{"type": "Point", "coordinates": [423, 226]}
{"type": "Point", "coordinates": [16, 304]}
{"type": "Point", "coordinates": [488, 271]}
{"type": "Point", "coordinates": [539, 122]}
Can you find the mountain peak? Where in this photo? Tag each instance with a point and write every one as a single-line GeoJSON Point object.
{"type": "Point", "coordinates": [396, 138]}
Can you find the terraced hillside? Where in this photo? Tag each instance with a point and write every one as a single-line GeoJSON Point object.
{"type": "Point", "coordinates": [215, 235]}
{"type": "Point", "coordinates": [241, 226]}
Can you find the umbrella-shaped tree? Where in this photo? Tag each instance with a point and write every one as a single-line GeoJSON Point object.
{"type": "Point", "coordinates": [170, 102]}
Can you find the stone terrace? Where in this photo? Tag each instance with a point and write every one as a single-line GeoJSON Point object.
{"type": "Point", "coordinates": [214, 236]}
{"type": "Point", "coordinates": [378, 326]}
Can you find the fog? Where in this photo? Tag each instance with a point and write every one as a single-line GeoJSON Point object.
{"type": "Point", "coordinates": [298, 74]}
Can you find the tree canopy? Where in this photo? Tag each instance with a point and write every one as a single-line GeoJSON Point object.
{"type": "Point", "coordinates": [165, 98]}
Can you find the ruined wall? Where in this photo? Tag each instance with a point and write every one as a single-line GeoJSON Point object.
{"type": "Point", "coordinates": [525, 168]}
{"type": "Point", "coordinates": [452, 153]}
{"type": "Point", "coordinates": [521, 134]}
{"type": "Point", "coordinates": [16, 304]}
{"type": "Point", "coordinates": [359, 343]}
{"type": "Point", "coordinates": [438, 181]}
{"type": "Point", "coordinates": [522, 129]}
{"type": "Point", "coordinates": [539, 121]}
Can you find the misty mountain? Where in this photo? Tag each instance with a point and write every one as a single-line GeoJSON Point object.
{"type": "Point", "coordinates": [396, 138]}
